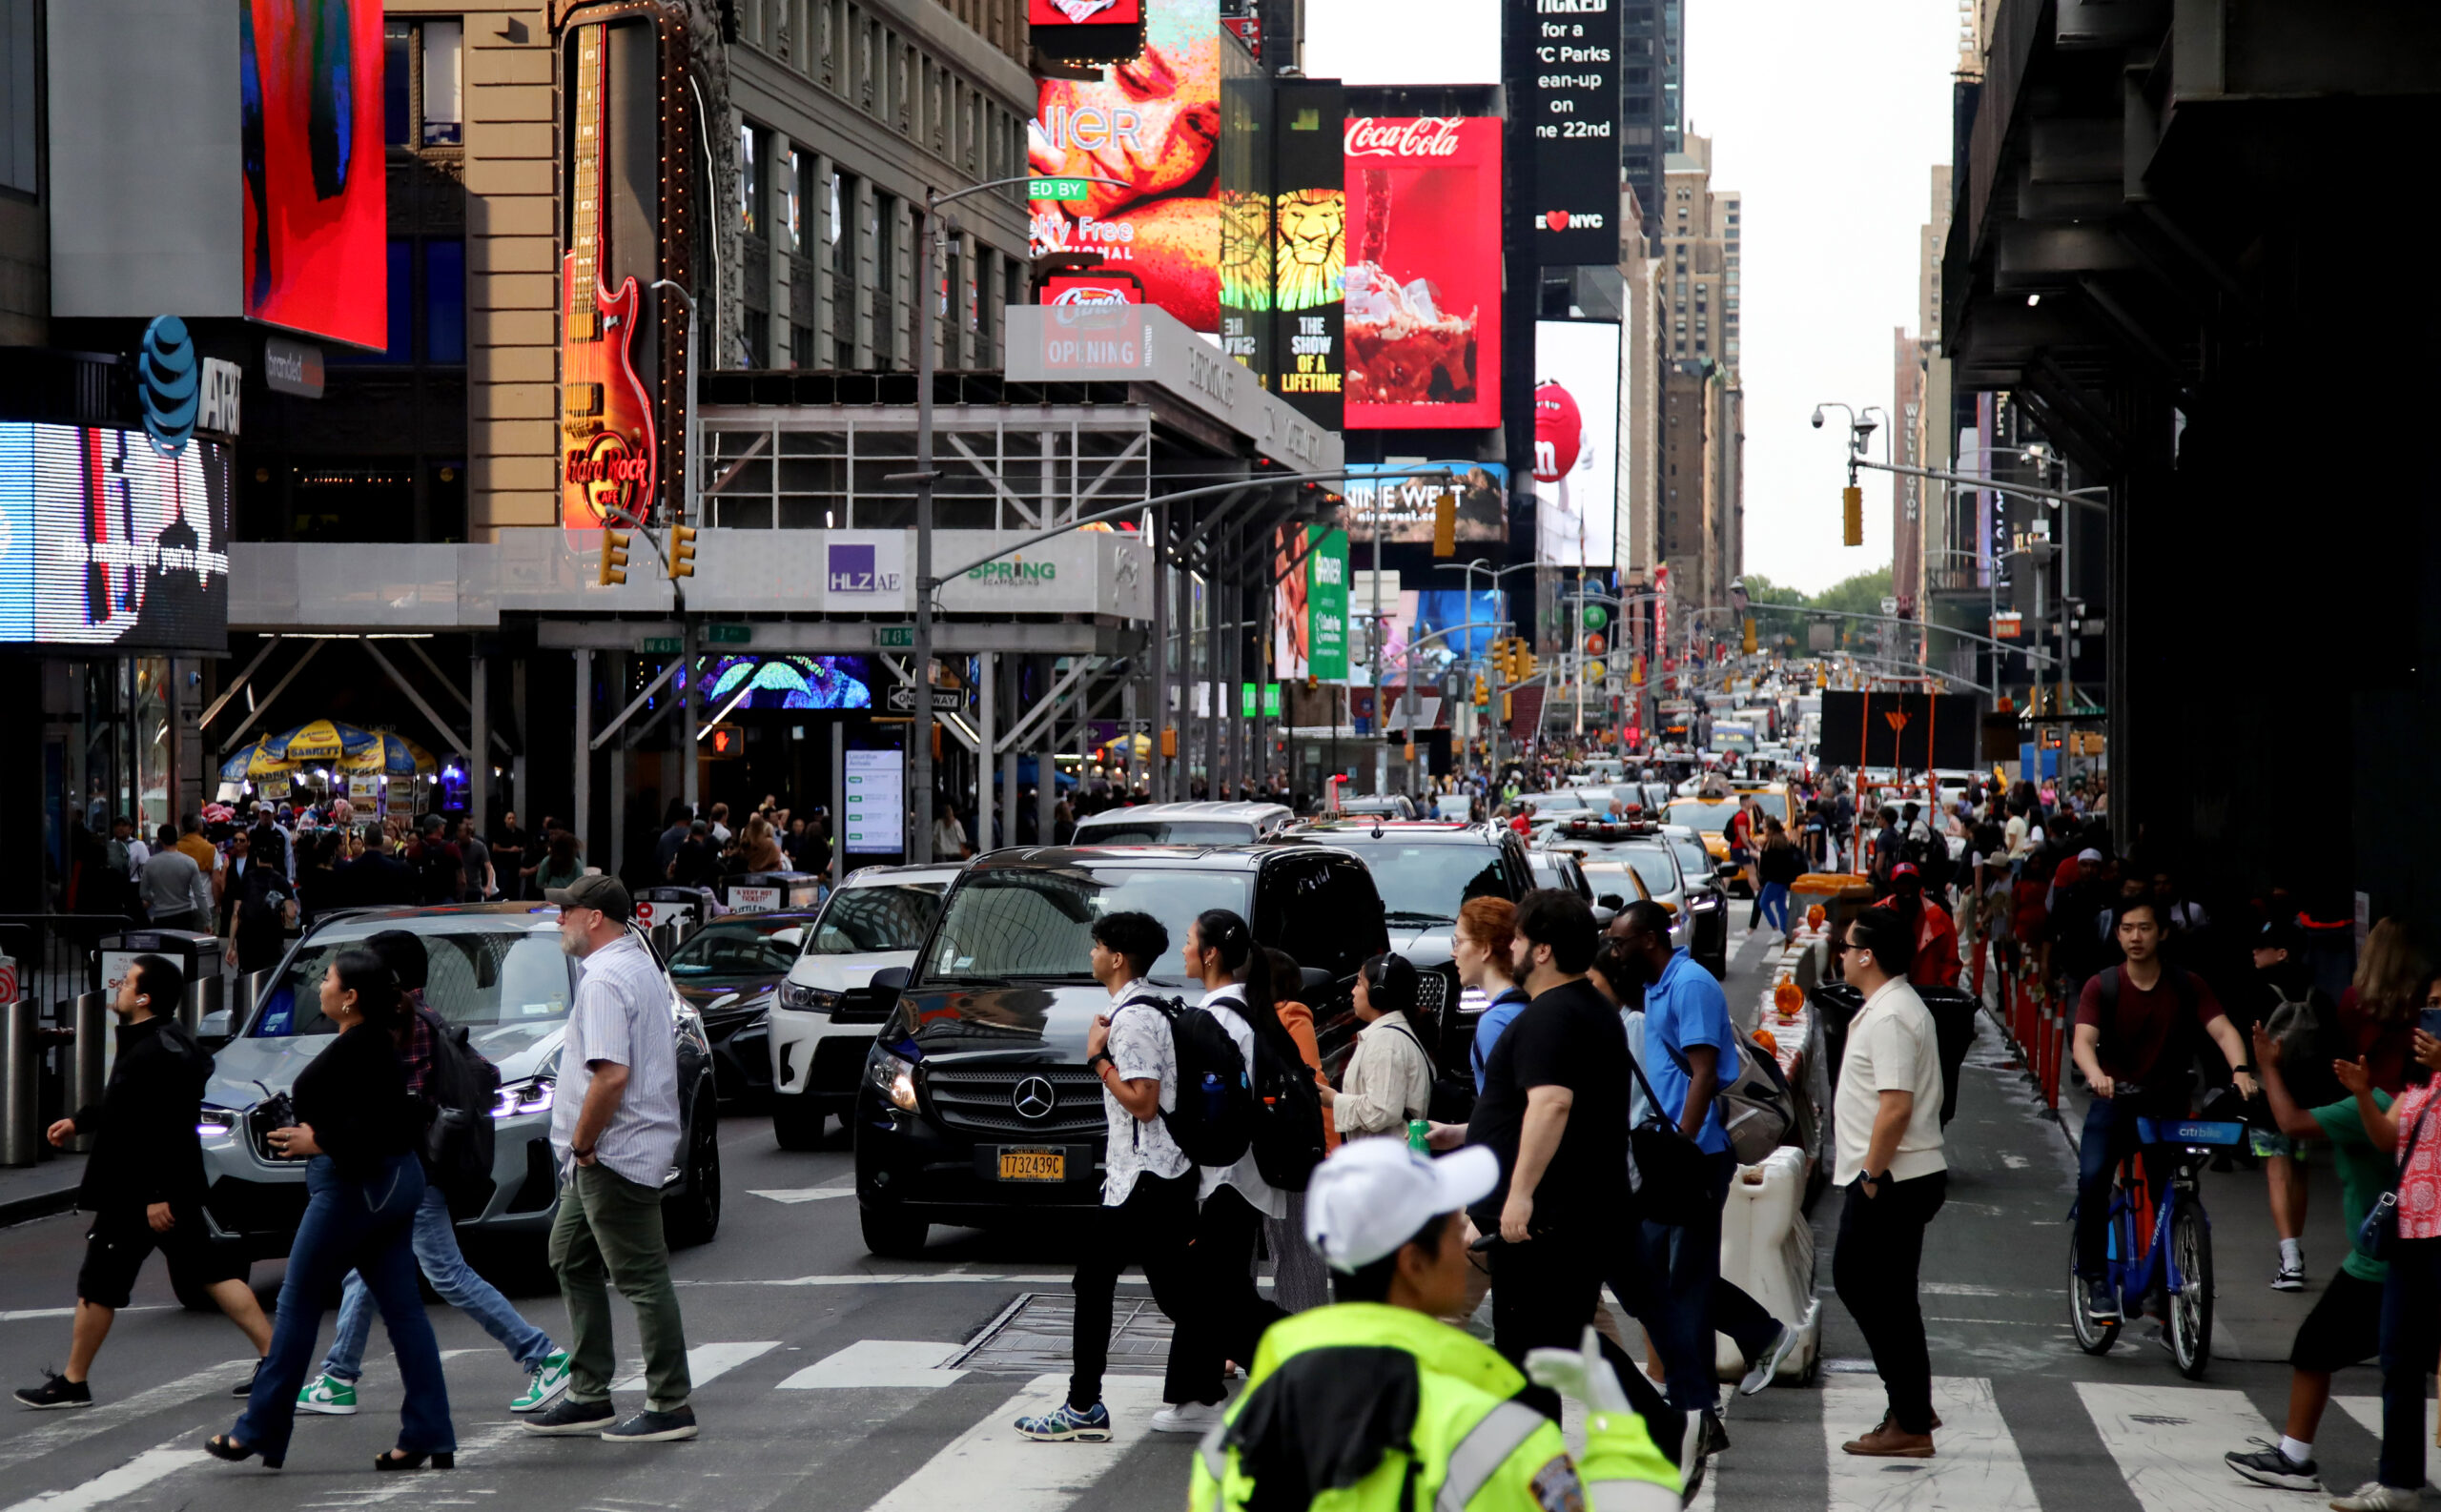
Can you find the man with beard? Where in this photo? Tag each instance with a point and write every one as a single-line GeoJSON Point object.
{"type": "Point", "coordinates": [1936, 962]}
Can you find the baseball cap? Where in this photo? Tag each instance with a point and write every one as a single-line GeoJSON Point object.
{"type": "Point", "coordinates": [595, 890]}
{"type": "Point", "coordinates": [2089, 853]}
{"type": "Point", "coordinates": [2281, 934]}
{"type": "Point", "coordinates": [1373, 1195]}
{"type": "Point", "coordinates": [1905, 868]}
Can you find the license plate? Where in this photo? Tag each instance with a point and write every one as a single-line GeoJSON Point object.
{"type": "Point", "coordinates": [1034, 1165]}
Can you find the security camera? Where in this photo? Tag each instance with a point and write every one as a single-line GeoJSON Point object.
{"type": "Point", "coordinates": [1818, 416]}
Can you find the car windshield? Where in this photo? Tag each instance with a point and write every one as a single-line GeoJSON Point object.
{"type": "Point", "coordinates": [1035, 923]}
{"type": "Point", "coordinates": [870, 921]}
{"type": "Point", "coordinates": [737, 948]}
{"type": "Point", "coordinates": [1167, 832]}
{"type": "Point", "coordinates": [1427, 883]}
{"type": "Point", "coordinates": [482, 971]}
{"type": "Point", "coordinates": [1702, 814]}
{"type": "Point", "coordinates": [1607, 872]}
{"type": "Point", "coordinates": [1692, 858]}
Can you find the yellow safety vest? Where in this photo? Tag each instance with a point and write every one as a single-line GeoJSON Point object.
{"type": "Point", "coordinates": [1476, 1449]}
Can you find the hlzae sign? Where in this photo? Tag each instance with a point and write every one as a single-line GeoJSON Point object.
{"type": "Point", "coordinates": [1575, 120]}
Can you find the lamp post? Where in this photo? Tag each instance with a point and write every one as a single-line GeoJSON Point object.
{"type": "Point", "coordinates": [693, 691]}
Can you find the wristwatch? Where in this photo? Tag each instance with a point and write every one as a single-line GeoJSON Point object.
{"type": "Point", "coordinates": [1098, 1057]}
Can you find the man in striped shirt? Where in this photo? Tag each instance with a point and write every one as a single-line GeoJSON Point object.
{"type": "Point", "coordinates": [614, 1132]}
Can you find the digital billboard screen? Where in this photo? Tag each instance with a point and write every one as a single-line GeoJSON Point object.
{"type": "Point", "coordinates": [1404, 507]}
{"type": "Point", "coordinates": [1153, 126]}
{"type": "Point", "coordinates": [1576, 442]}
{"type": "Point", "coordinates": [1574, 114]}
{"type": "Point", "coordinates": [1424, 274]}
{"type": "Point", "coordinates": [312, 165]}
{"type": "Point", "coordinates": [105, 542]}
{"type": "Point", "coordinates": [818, 682]}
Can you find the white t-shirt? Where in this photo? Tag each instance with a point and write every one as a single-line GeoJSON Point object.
{"type": "Point", "coordinates": [2017, 833]}
{"type": "Point", "coordinates": [1141, 1050]}
{"type": "Point", "coordinates": [1223, 1003]}
{"type": "Point", "coordinates": [1891, 1047]}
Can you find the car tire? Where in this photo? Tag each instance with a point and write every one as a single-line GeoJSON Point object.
{"type": "Point", "coordinates": [891, 1236]}
{"type": "Point", "coordinates": [195, 1298]}
{"type": "Point", "coordinates": [694, 1216]}
{"type": "Point", "coordinates": [797, 1121]}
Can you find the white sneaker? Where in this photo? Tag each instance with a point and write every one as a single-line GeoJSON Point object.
{"type": "Point", "coordinates": [1767, 1364]}
{"type": "Point", "coordinates": [1186, 1416]}
{"type": "Point", "coordinates": [2375, 1496]}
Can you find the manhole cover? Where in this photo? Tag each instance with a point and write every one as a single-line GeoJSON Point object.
{"type": "Point", "coordinates": [1031, 1338]}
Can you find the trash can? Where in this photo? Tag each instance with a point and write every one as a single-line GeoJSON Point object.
{"type": "Point", "coordinates": [1953, 1025]}
{"type": "Point", "coordinates": [196, 954]}
{"type": "Point", "coordinates": [767, 891]}
{"type": "Point", "coordinates": [1837, 1004]}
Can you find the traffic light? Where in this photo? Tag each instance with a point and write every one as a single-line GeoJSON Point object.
{"type": "Point", "coordinates": [1506, 716]}
{"type": "Point", "coordinates": [1169, 740]}
{"type": "Point", "coordinates": [1445, 523]}
{"type": "Point", "coordinates": [1748, 637]}
{"type": "Point", "coordinates": [1821, 675]}
{"type": "Point", "coordinates": [1525, 661]}
{"type": "Point", "coordinates": [1483, 691]}
{"type": "Point", "coordinates": [1852, 516]}
{"type": "Point", "coordinates": [681, 551]}
{"type": "Point", "coordinates": [614, 556]}
{"type": "Point", "coordinates": [1635, 671]}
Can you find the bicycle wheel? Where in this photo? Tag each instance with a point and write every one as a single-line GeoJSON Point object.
{"type": "Point", "coordinates": [2191, 1309]}
{"type": "Point", "coordinates": [2094, 1335]}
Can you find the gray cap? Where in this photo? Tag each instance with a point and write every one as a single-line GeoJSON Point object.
{"type": "Point", "coordinates": [595, 890]}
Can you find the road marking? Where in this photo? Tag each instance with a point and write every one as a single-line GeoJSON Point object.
{"type": "Point", "coordinates": [111, 1484]}
{"type": "Point", "coordinates": [1975, 1464]}
{"type": "Point", "coordinates": [2169, 1442]}
{"type": "Point", "coordinates": [707, 1363]}
{"type": "Point", "coordinates": [879, 1363]}
{"type": "Point", "coordinates": [935, 1279]}
{"type": "Point", "coordinates": [2368, 1411]}
{"type": "Point", "coordinates": [86, 1422]}
{"type": "Point", "coordinates": [1960, 1289]}
{"type": "Point", "coordinates": [26, 1314]}
{"type": "Point", "coordinates": [795, 1195]}
{"type": "Point", "coordinates": [992, 1464]}
{"type": "Point", "coordinates": [2014, 1161]}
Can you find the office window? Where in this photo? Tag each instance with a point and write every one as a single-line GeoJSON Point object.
{"type": "Point", "coordinates": [424, 83]}
{"type": "Point", "coordinates": [885, 316]}
{"type": "Point", "coordinates": [753, 146]}
{"type": "Point", "coordinates": [398, 83]}
{"type": "Point", "coordinates": [445, 302]}
{"type": "Point", "coordinates": [841, 229]}
{"type": "Point", "coordinates": [444, 82]}
{"type": "Point", "coordinates": [20, 70]}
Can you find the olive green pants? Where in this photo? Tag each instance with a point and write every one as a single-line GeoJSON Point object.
{"type": "Point", "coordinates": [608, 1230]}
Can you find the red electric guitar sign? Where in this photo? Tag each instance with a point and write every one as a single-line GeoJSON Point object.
{"type": "Point", "coordinates": [607, 447]}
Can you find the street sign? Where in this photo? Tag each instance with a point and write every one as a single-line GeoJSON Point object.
{"type": "Point", "coordinates": [1072, 189]}
{"type": "Point", "coordinates": [893, 635]}
{"type": "Point", "coordinates": [728, 634]}
{"type": "Point", "coordinates": [1889, 605]}
{"type": "Point", "coordinates": [658, 645]}
{"type": "Point", "coordinates": [945, 700]}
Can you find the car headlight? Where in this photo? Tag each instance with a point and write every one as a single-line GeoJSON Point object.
{"type": "Point", "coordinates": [518, 1098]}
{"type": "Point", "coordinates": [893, 1076]}
{"type": "Point", "coordinates": [804, 999]}
{"type": "Point", "coordinates": [216, 1123]}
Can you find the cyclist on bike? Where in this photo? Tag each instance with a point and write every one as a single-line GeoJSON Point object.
{"type": "Point", "coordinates": [2137, 1027]}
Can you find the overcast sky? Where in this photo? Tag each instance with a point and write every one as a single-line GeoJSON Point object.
{"type": "Point", "coordinates": [1828, 116]}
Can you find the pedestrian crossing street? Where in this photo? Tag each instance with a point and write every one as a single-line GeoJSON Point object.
{"type": "Point", "coordinates": [2007, 1445]}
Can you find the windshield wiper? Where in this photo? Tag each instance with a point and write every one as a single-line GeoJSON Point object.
{"type": "Point", "coordinates": [1412, 916]}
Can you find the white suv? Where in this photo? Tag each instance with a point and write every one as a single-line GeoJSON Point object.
{"type": "Point", "coordinates": [825, 1017]}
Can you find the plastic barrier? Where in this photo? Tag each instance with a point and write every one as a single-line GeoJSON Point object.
{"type": "Point", "coordinates": [1766, 1248]}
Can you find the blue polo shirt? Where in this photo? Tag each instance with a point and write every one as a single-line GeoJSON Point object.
{"type": "Point", "coordinates": [1687, 1008]}
{"type": "Point", "coordinates": [1497, 1017]}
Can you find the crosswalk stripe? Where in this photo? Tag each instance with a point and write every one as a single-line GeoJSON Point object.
{"type": "Point", "coordinates": [884, 1363]}
{"type": "Point", "coordinates": [111, 1484]}
{"type": "Point", "coordinates": [707, 1363]}
{"type": "Point", "coordinates": [794, 1195]}
{"type": "Point", "coordinates": [992, 1464]}
{"type": "Point", "coordinates": [2168, 1442]}
{"type": "Point", "coordinates": [1975, 1462]}
{"type": "Point", "coordinates": [2368, 1413]}
{"type": "Point", "coordinates": [86, 1422]}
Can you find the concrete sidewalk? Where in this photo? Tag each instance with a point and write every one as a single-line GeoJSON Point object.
{"type": "Point", "coordinates": [39, 1191]}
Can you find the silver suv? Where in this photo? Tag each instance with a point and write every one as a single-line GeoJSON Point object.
{"type": "Point", "coordinates": [497, 970]}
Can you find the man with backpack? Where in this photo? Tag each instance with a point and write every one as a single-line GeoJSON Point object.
{"type": "Point", "coordinates": [441, 871]}
{"type": "Point", "coordinates": [1148, 1184]}
{"type": "Point", "coordinates": [2297, 1018]}
{"type": "Point", "coordinates": [452, 1078]}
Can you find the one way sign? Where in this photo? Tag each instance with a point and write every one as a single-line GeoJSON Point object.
{"type": "Point", "coordinates": [901, 700]}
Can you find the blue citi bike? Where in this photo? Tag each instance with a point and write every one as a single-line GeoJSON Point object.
{"type": "Point", "coordinates": [2160, 1254]}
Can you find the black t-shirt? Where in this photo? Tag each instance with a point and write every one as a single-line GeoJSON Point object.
{"type": "Point", "coordinates": [1570, 1037]}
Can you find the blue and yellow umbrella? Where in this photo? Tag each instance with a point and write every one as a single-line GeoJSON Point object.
{"type": "Point", "coordinates": [392, 755]}
{"type": "Point", "coordinates": [321, 741]}
{"type": "Point", "coordinates": [253, 760]}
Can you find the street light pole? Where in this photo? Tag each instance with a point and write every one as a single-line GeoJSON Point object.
{"type": "Point", "coordinates": [691, 692]}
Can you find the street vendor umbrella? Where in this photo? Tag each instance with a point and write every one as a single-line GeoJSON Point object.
{"type": "Point", "coordinates": [1140, 745]}
{"type": "Point", "coordinates": [253, 760]}
{"type": "Point", "coordinates": [322, 741]}
{"type": "Point", "coordinates": [391, 755]}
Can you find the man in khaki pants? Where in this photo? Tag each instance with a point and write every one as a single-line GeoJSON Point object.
{"type": "Point", "coordinates": [614, 1130]}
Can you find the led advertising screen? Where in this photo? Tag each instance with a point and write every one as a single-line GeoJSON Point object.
{"type": "Point", "coordinates": [1574, 114]}
{"type": "Point", "coordinates": [317, 212]}
{"type": "Point", "coordinates": [1309, 604]}
{"type": "Point", "coordinates": [1424, 272]}
{"type": "Point", "coordinates": [818, 682]}
{"type": "Point", "coordinates": [104, 541]}
{"type": "Point", "coordinates": [1283, 239]}
{"type": "Point", "coordinates": [1576, 441]}
{"type": "Point", "coordinates": [1153, 126]}
{"type": "Point", "coordinates": [1385, 42]}
{"type": "Point", "coordinates": [1406, 507]}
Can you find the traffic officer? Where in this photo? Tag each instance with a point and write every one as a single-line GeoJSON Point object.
{"type": "Point", "coordinates": [1378, 1405]}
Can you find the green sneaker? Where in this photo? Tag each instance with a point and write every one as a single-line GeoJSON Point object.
{"type": "Point", "coordinates": [546, 1381]}
{"type": "Point", "coordinates": [329, 1395]}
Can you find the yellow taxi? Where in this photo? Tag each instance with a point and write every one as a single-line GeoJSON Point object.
{"type": "Point", "coordinates": [1709, 817]}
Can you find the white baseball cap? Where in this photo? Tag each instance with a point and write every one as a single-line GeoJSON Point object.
{"type": "Point", "coordinates": [1372, 1195]}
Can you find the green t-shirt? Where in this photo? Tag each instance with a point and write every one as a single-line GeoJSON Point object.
{"type": "Point", "coordinates": [2364, 1173]}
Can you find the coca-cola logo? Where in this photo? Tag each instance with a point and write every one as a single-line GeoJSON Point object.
{"type": "Point", "coordinates": [1422, 136]}
{"type": "Point", "coordinates": [1090, 294]}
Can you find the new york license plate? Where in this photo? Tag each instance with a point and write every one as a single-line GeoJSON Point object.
{"type": "Point", "coordinates": [1018, 1163]}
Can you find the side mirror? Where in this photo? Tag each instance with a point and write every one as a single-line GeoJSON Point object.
{"type": "Point", "coordinates": [1316, 983]}
{"type": "Point", "coordinates": [888, 983]}
{"type": "Point", "coordinates": [1728, 871]}
{"type": "Point", "coordinates": [1612, 901]}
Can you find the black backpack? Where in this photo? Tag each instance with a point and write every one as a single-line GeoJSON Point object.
{"type": "Point", "coordinates": [458, 1143]}
{"type": "Point", "coordinates": [1287, 1135]}
{"type": "Point", "coordinates": [1213, 1123]}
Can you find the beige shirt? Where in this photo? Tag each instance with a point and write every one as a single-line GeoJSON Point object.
{"type": "Point", "coordinates": [1891, 1047]}
{"type": "Point", "coordinates": [1388, 1081]}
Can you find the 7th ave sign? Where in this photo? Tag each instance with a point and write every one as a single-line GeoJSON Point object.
{"type": "Point", "coordinates": [945, 700]}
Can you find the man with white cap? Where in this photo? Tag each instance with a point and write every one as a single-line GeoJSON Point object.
{"type": "Point", "coordinates": [1376, 1400]}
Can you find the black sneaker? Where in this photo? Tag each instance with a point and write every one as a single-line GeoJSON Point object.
{"type": "Point", "coordinates": [1714, 1437]}
{"type": "Point", "coordinates": [569, 1416]}
{"type": "Point", "coordinates": [246, 1387]}
{"type": "Point", "coordinates": [2268, 1466]}
{"type": "Point", "coordinates": [654, 1427]}
{"type": "Point", "coordinates": [57, 1392]}
{"type": "Point", "coordinates": [2101, 1303]}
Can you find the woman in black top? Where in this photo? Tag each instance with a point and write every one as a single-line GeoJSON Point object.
{"type": "Point", "coordinates": [263, 911]}
{"type": "Point", "coordinates": [359, 1127]}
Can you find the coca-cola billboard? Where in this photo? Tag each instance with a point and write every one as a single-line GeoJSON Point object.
{"type": "Point", "coordinates": [1424, 274]}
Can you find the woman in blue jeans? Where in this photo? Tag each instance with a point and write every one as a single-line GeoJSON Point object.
{"type": "Point", "coordinates": [359, 1127]}
{"type": "Point", "coordinates": [2410, 1129]}
{"type": "Point", "coordinates": [1780, 864]}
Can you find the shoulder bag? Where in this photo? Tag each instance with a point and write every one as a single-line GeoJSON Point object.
{"type": "Point", "coordinates": [2379, 1230]}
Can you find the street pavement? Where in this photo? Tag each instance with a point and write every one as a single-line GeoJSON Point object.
{"type": "Point", "coordinates": [829, 1380]}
